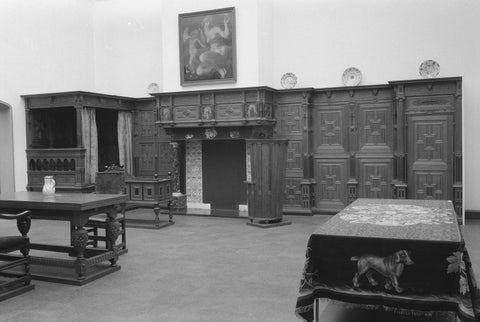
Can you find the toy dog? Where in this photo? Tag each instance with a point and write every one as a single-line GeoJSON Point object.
{"type": "Point", "coordinates": [391, 267]}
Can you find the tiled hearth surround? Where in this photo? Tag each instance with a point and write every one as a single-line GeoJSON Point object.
{"type": "Point", "coordinates": [194, 178]}
{"type": "Point", "coordinates": [193, 174]}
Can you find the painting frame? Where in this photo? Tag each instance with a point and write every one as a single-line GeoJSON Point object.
{"type": "Point", "coordinates": [207, 44]}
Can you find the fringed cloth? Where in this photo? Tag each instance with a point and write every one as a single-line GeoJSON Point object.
{"type": "Point", "coordinates": [402, 256]}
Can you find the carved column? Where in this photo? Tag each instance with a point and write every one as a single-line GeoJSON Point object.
{"type": "Point", "coordinates": [79, 240]}
{"type": "Point", "coordinates": [29, 126]}
{"type": "Point", "coordinates": [175, 167]}
{"type": "Point", "coordinates": [400, 161]}
{"type": "Point", "coordinates": [352, 183]}
{"type": "Point", "coordinates": [113, 230]}
{"type": "Point", "coordinates": [78, 105]}
{"type": "Point", "coordinates": [307, 183]}
{"type": "Point", "coordinates": [457, 152]}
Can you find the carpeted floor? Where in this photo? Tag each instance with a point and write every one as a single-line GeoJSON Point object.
{"type": "Point", "coordinates": [199, 269]}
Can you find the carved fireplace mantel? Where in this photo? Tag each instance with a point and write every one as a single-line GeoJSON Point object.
{"type": "Point", "coordinates": [216, 108]}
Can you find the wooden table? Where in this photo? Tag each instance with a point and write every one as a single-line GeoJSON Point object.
{"type": "Point", "coordinates": [405, 256]}
{"type": "Point", "coordinates": [75, 208]}
{"type": "Point", "coordinates": [152, 193]}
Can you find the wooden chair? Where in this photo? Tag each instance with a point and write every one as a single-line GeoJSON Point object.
{"type": "Point", "coordinates": [13, 282]}
{"type": "Point", "coordinates": [111, 182]}
{"type": "Point", "coordinates": [98, 223]}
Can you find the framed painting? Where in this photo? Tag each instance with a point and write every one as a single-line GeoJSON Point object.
{"type": "Point", "coordinates": [207, 47]}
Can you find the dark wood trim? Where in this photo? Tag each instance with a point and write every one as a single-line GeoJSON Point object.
{"type": "Point", "coordinates": [231, 89]}
{"type": "Point", "coordinates": [77, 93]}
{"type": "Point", "coordinates": [472, 214]}
{"type": "Point", "coordinates": [426, 80]}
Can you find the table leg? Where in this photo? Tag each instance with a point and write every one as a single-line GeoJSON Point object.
{"type": "Point", "coordinates": [156, 210]}
{"type": "Point", "coordinates": [79, 241]}
{"type": "Point", "coordinates": [171, 206]}
{"type": "Point", "coordinates": [113, 230]}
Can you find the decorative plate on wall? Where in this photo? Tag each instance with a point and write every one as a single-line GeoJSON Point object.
{"type": "Point", "coordinates": [429, 69]}
{"type": "Point", "coordinates": [351, 76]}
{"type": "Point", "coordinates": [153, 88]}
{"type": "Point", "coordinates": [288, 80]}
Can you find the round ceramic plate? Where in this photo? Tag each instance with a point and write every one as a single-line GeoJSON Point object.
{"type": "Point", "coordinates": [153, 88]}
{"type": "Point", "coordinates": [429, 69]}
{"type": "Point", "coordinates": [351, 76]}
{"type": "Point", "coordinates": [289, 80]}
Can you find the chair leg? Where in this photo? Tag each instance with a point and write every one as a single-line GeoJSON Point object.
{"type": "Point", "coordinates": [25, 252]}
{"type": "Point", "coordinates": [124, 234]}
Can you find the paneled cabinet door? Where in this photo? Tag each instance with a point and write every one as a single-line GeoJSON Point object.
{"type": "Point", "coordinates": [374, 159]}
{"type": "Point", "coordinates": [375, 178]}
{"type": "Point", "coordinates": [144, 143]}
{"type": "Point", "coordinates": [430, 157]}
{"type": "Point", "coordinates": [331, 157]}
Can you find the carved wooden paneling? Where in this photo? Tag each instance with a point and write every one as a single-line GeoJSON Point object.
{"type": "Point", "coordinates": [146, 161]}
{"type": "Point", "coordinates": [146, 123]}
{"type": "Point", "coordinates": [330, 130]}
{"type": "Point", "coordinates": [294, 156]}
{"type": "Point", "coordinates": [430, 157]}
{"type": "Point", "coordinates": [375, 128]}
{"type": "Point", "coordinates": [223, 108]}
{"type": "Point", "coordinates": [429, 141]}
{"type": "Point", "coordinates": [186, 113]}
{"type": "Point", "coordinates": [186, 99]}
{"type": "Point", "coordinates": [229, 111]}
{"type": "Point", "coordinates": [293, 193]}
{"type": "Point", "coordinates": [375, 178]}
{"type": "Point", "coordinates": [429, 185]}
{"type": "Point", "coordinates": [289, 119]}
{"type": "Point", "coordinates": [331, 177]}
{"type": "Point", "coordinates": [164, 158]}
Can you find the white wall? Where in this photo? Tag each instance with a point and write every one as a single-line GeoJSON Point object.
{"type": "Point", "coordinates": [46, 46]}
{"type": "Point", "coordinates": [137, 43]}
{"type": "Point", "coordinates": [128, 46]}
{"type": "Point", "coordinates": [6, 148]}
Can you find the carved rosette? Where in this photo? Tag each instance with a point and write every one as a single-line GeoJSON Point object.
{"type": "Point", "coordinates": [262, 133]}
{"type": "Point", "coordinates": [210, 133]}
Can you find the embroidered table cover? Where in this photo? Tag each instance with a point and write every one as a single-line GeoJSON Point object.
{"type": "Point", "coordinates": [395, 254]}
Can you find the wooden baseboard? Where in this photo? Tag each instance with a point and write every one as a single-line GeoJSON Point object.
{"type": "Point", "coordinates": [472, 214]}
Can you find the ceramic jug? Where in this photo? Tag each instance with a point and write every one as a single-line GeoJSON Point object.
{"type": "Point", "coordinates": [48, 185]}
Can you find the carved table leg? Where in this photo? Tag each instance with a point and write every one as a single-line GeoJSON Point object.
{"type": "Point", "coordinates": [113, 230]}
{"type": "Point", "coordinates": [79, 242]}
{"type": "Point", "coordinates": [156, 210]}
{"type": "Point", "coordinates": [171, 206]}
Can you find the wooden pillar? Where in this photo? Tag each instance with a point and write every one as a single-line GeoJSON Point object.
{"type": "Point", "coordinates": [265, 192]}
{"type": "Point", "coordinates": [78, 105]}
{"type": "Point", "coordinates": [29, 127]}
{"type": "Point", "coordinates": [400, 186]}
{"type": "Point", "coordinates": [307, 183]}
{"type": "Point", "coordinates": [457, 153]}
{"type": "Point", "coordinates": [175, 167]}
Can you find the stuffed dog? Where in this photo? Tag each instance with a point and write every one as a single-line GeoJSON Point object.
{"type": "Point", "coordinates": [391, 267]}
